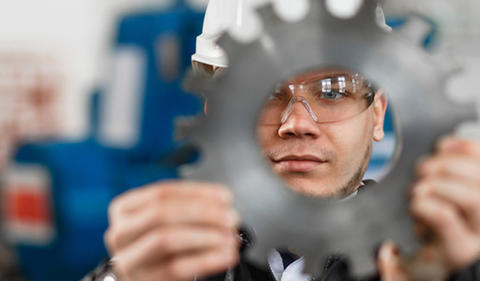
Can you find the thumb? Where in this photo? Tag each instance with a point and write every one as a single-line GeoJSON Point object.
{"type": "Point", "coordinates": [389, 263]}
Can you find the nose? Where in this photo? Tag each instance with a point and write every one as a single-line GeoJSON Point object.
{"type": "Point", "coordinates": [299, 122]}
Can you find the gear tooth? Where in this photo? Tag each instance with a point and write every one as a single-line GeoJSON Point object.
{"type": "Point", "coordinates": [200, 171]}
{"type": "Point", "coordinates": [368, 11]}
{"type": "Point", "coordinates": [258, 253]}
{"type": "Point", "coordinates": [415, 29]}
{"type": "Point", "coordinates": [196, 84]}
{"type": "Point", "coordinates": [469, 130]}
{"type": "Point", "coordinates": [185, 171]}
{"type": "Point", "coordinates": [230, 45]}
{"type": "Point", "coordinates": [459, 89]}
{"type": "Point", "coordinates": [313, 266]}
{"type": "Point", "coordinates": [267, 12]}
{"type": "Point", "coordinates": [361, 263]}
{"type": "Point", "coordinates": [192, 171]}
{"type": "Point", "coordinates": [188, 83]}
{"type": "Point", "coordinates": [318, 12]}
{"type": "Point", "coordinates": [185, 126]}
{"type": "Point", "coordinates": [449, 64]}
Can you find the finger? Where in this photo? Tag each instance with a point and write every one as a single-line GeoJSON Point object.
{"type": "Point", "coordinates": [157, 246]}
{"type": "Point", "coordinates": [389, 264]}
{"type": "Point", "coordinates": [186, 266]}
{"type": "Point", "coordinates": [462, 167]}
{"type": "Point", "coordinates": [427, 264]}
{"type": "Point", "coordinates": [461, 195]}
{"type": "Point", "coordinates": [440, 216]}
{"type": "Point", "coordinates": [456, 145]}
{"type": "Point", "coordinates": [138, 198]}
{"type": "Point", "coordinates": [458, 244]}
{"type": "Point", "coordinates": [192, 212]}
{"type": "Point", "coordinates": [460, 247]}
{"type": "Point", "coordinates": [202, 265]}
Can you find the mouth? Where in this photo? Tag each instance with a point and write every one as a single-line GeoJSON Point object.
{"type": "Point", "coordinates": [297, 163]}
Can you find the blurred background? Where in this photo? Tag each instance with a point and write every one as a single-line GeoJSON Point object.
{"type": "Point", "coordinates": [88, 95]}
{"type": "Point", "coordinates": [89, 91]}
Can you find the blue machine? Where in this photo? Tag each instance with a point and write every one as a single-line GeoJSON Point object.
{"type": "Point", "coordinates": [86, 175]}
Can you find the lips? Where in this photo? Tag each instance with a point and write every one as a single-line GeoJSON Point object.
{"type": "Point", "coordinates": [298, 163]}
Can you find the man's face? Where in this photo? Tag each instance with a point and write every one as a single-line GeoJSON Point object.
{"type": "Point", "coordinates": [321, 158]}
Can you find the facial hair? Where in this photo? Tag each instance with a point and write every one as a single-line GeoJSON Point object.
{"type": "Point", "coordinates": [355, 181]}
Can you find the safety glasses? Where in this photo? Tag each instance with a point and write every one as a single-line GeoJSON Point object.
{"type": "Point", "coordinates": [327, 96]}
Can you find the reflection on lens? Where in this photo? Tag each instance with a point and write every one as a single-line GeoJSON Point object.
{"type": "Point", "coordinates": [316, 135]}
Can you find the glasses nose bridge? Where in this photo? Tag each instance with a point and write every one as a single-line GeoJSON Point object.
{"type": "Point", "coordinates": [288, 111]}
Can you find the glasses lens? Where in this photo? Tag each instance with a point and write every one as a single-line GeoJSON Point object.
{"type": "Point", "coordinates": [327, 96]}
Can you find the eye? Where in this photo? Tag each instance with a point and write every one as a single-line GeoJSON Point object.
{"type": "Point", "coordinates": [331, 95]}
{"type": "Point", "coordinates": [278, 94]}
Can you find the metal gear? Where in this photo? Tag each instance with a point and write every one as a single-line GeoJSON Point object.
{"type": "Point", "coordinates": [231, 155]}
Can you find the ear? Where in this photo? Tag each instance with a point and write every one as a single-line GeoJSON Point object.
{"type": "Point", "coordinates": [379, 108]}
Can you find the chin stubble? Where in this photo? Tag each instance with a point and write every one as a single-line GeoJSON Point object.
{"type": "Point", "coordinates": [355, 181]}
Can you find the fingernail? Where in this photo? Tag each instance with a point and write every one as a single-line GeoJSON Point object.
{"type": "Point", "coordinates": [232, 219]}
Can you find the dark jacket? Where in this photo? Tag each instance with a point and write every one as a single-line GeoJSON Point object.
{"type": "Point", "coordinates": [336, 269]}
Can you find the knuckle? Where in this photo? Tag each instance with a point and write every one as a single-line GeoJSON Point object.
{"type": "Point", "coordinates": [112, 239]}
{"type": "Point", "coordinates": [469, 146]}
{"type": "Point", "coordinates": [174, 270]}
{"type": "Point", "coordinates": [107, 239]}
{"type": "Point", "coordinates": [123, 268]}
{"type": "Point", "coordinates": [161, 192]}
{"type": "Point", "coordinates": [422, 187]}
{"type": "Point", "coordinates": [160, 212]}
{"type": "Point", "coordinates": [114, 208]}
{"type": "Point", "coordinates": [162, 240]}
{"type": "Point", "coordinates": [473, 202]}
{"type": "Point", "coordinates": [446, 218]}
{"type": "Point", "coordinates": [441, 166]}
{"type": "Point", "coordinates": [118, 206]}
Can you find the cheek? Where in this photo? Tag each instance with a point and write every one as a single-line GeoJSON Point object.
{"type": "Point", "coordinates": [350, 139]}
{"type": "Point", "coordinates": [265, 135]}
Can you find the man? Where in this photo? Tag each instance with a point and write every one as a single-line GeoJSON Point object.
{"type": "Point", "coordinates": [185, 230]}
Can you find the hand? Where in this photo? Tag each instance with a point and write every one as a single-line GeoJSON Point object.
{"type": "Point", "coordinates": [446, 204]}
{"type": "Point", "coordinates": [172, 231]}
